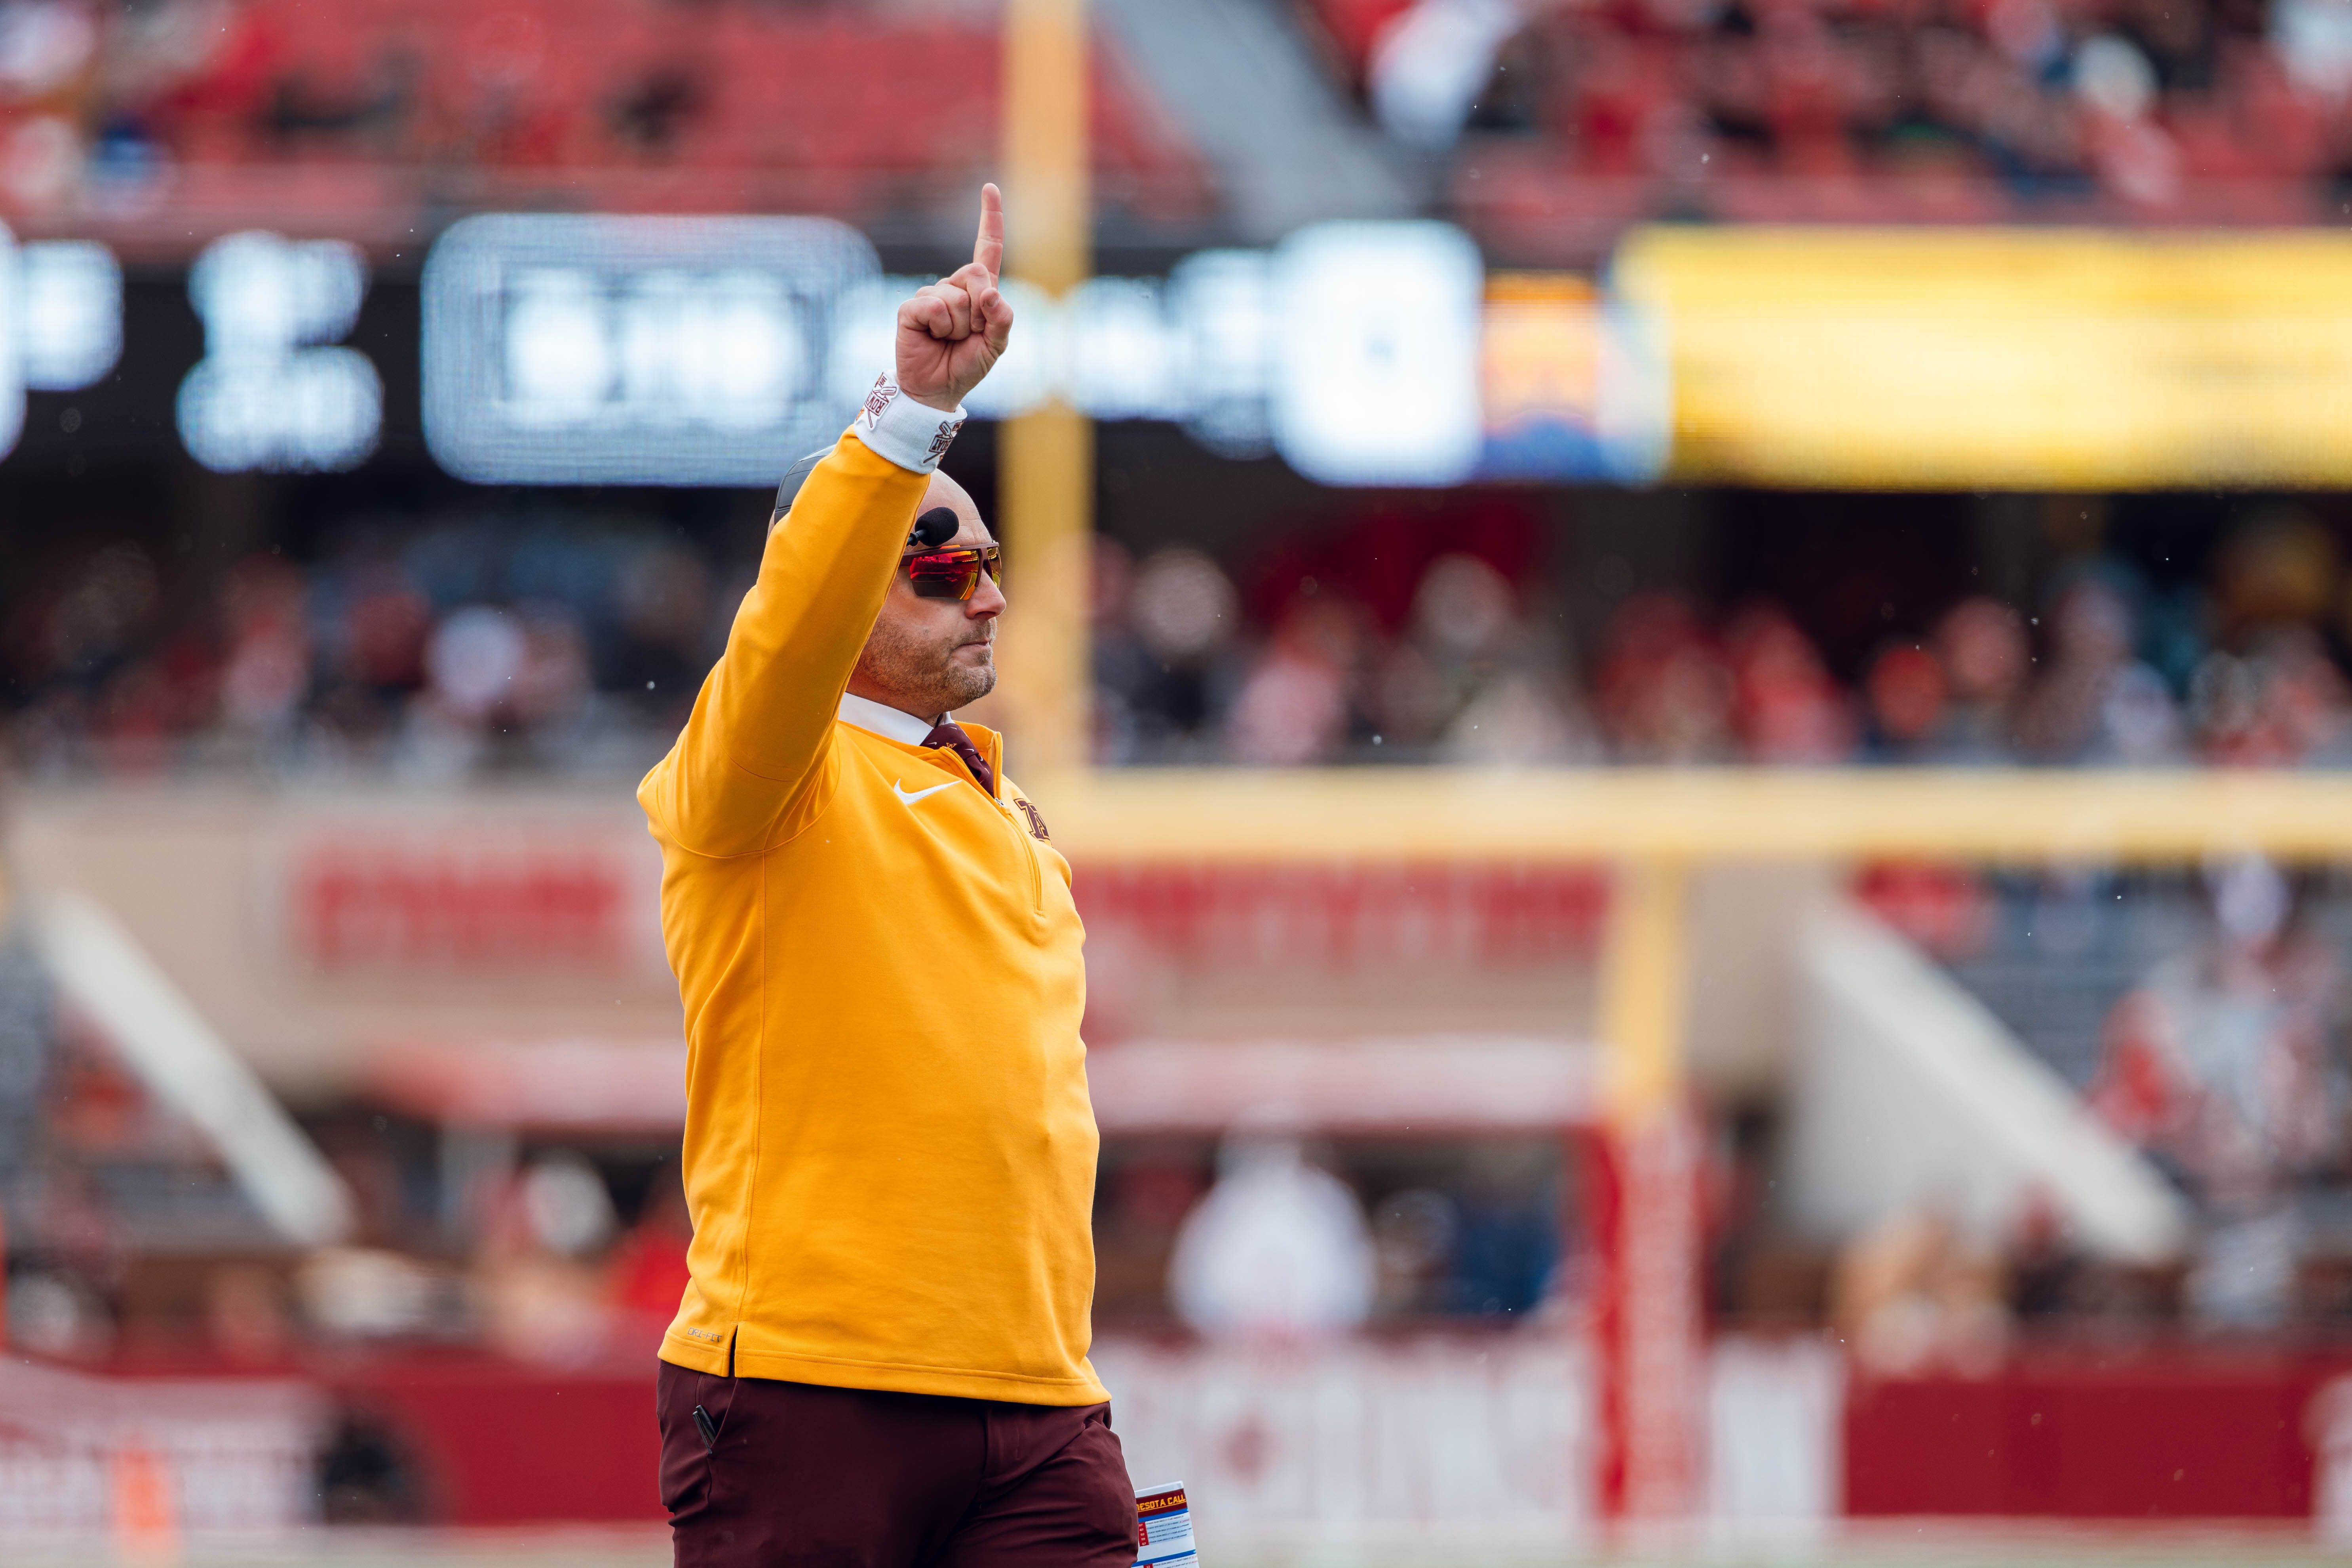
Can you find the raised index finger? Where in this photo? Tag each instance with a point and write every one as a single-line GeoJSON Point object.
{"type": "Point", "coordinates": [988, 250]}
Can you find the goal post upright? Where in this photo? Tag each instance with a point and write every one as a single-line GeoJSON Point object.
{"type": "Point", "coordinates": [1641, 1205]}
{"type": "Point", "coordinates": [1045, 479]}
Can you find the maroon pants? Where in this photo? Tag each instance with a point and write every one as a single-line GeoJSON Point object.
{"type": "Point", "coordinates": [790, 1473]}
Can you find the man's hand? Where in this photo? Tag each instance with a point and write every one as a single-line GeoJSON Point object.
{"type": "Point", "coordinates": [952, 332]}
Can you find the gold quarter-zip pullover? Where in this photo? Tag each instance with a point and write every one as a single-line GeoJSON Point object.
{"type": "Point", "coordinates": [889, 1152]}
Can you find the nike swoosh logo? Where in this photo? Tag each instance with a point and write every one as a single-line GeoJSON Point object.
{"type": "Point", "coordinates": [899, 788]}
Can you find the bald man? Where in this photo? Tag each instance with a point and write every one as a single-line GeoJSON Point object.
{"type": "Point", "coordinates": [889, 1152]}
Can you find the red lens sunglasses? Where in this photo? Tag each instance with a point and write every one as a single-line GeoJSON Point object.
{"type": "Point", "coordinates": [947, 574]}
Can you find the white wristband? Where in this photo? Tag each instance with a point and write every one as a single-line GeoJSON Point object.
{"type": "Point", "coordinates": [910, 434]}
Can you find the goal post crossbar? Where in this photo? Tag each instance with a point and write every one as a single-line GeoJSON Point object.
{"type": "Point", "coordinates": [1104, 817]}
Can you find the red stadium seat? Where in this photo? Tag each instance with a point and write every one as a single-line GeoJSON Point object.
{"type": "Point", "coordinates": [820, 106]}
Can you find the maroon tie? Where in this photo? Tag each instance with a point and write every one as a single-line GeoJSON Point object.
{"type": "Point", "coordinates": [951, 735]}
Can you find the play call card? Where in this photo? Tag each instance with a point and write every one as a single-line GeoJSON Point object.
{"type": "Point", "coordinates": [1163, 1529]}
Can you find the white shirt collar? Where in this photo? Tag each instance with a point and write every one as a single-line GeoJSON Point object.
{"type": "Point", "coordinates": [889, 723]}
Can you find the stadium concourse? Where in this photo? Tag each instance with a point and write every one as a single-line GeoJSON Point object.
{"type": "Point", "coordinates": [1695, 659]}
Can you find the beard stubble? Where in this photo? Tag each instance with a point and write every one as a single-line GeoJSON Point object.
{"type": "Point", "coordinates": [922, 671]}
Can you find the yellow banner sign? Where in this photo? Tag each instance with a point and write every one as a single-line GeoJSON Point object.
{"type": "Point", "coordinates": [1928, 359]}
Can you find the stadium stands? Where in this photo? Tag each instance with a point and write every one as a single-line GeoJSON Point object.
{"type": "Point", "coordinates": [1853, 111]}
{"type": "Point", "coordinates": [1355, 639]}
{"type": "Point", "coordinates": [724, 105]}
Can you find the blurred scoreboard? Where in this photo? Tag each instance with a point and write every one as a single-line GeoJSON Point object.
{"type": "Point", "coordinates": [595, 349]}
{"type": "Point", "coordinates": [590, 348]}
{"type": "Point", "coordinates": [561, 349]}
{"type": "Point", "coordinates": [633, 350]}
{"type": "Point", "coordinates": [60, 322]}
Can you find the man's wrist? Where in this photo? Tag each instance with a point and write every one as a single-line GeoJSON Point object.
{"type": "Point", "coordinates": [900, 427]}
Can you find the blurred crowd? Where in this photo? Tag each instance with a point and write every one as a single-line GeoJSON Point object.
{"type": "Point", "coordinates": [1977, 102]}
{"type": "Point", "coordinates": [1544, 113]}
{"type": "Point", "coordinates": [561, 645]}
{"type": "Point", "coordinates": [1285, 1237]}
{"type": "Point", "coordinates": [2202, 1015]}
{"type": "Point", "coordinates": [572, 643]}
{"type": "Point", "coordinates": [2227, 1066]}
{"type": "Point", "coordinates": [1331, 657]}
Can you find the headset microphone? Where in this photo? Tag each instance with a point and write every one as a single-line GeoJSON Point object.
{"type": "Point", "coordinates": [933, 529]}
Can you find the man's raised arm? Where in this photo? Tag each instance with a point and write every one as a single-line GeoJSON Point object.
{"type": "Point", "coordinates": [760, 725]}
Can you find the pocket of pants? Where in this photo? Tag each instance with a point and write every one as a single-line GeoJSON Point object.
{"type": "Point", "coordinates": [686, 1455]}
{"type": "Point", "coordinates": [1110, 1492]}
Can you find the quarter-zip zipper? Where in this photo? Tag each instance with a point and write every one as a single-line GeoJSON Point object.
{"type": "Point", "coordinates": [1029, 848]}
